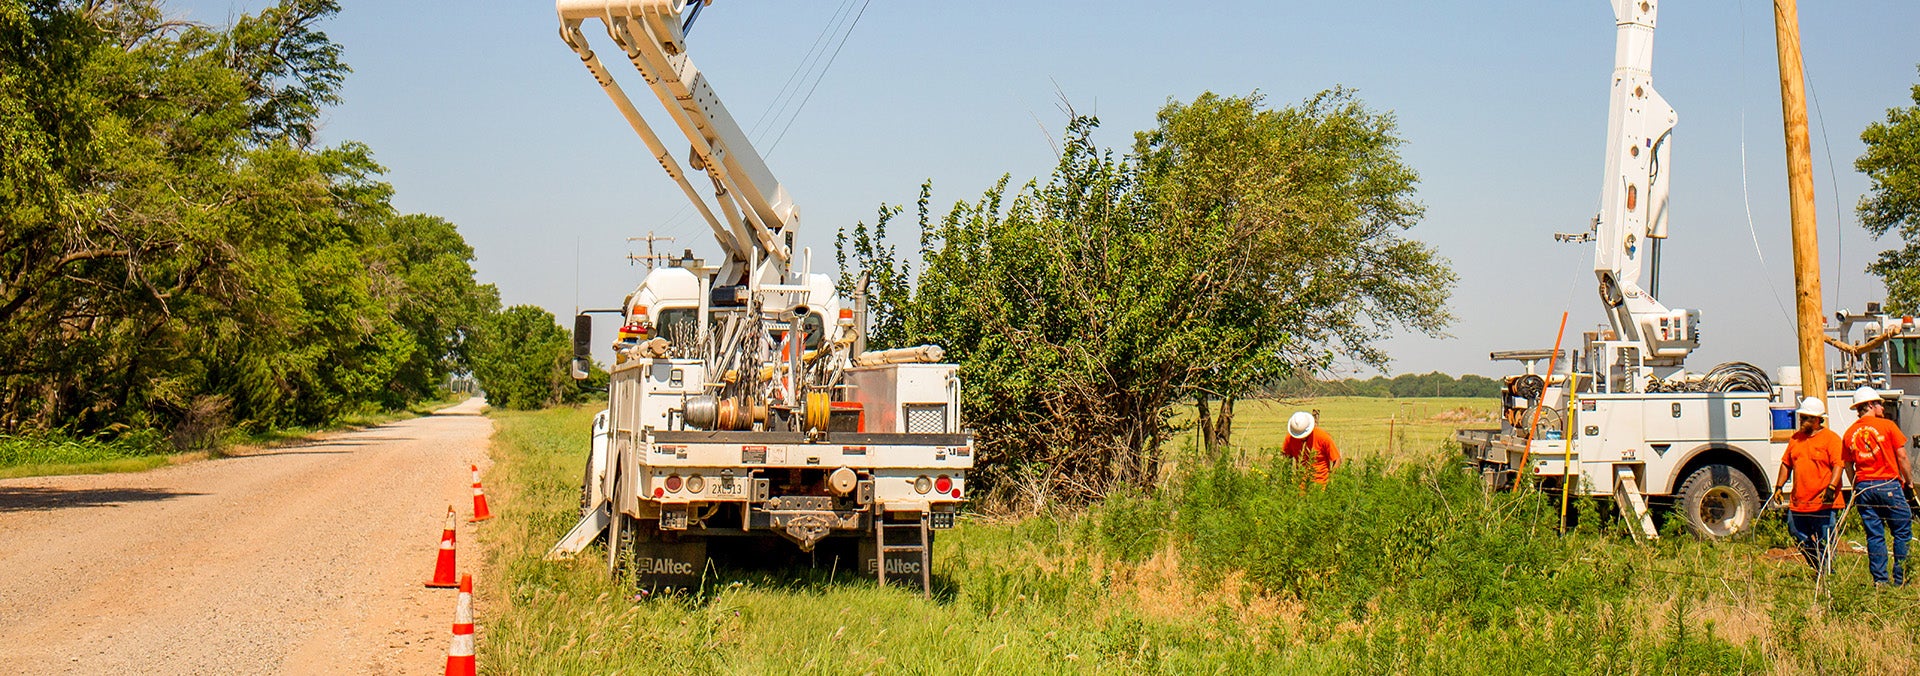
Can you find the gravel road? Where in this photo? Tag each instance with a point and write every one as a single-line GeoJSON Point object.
{"type": "Point", "coordinates": [298, 559]}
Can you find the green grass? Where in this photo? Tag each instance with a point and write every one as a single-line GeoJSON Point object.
{"type": "Point", "coordinates": [140, 450]}
{"type": "Point", "coordinates": [1364, 427]}
{"type": "Point", "coordinates": [1402, 565]}
{"type": "Point", "coordinates": [57, 454]}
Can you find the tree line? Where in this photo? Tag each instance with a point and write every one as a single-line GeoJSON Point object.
{"type": "Point", "coordinates": [1435, 384]}
{"type": "Point", "coordinates": [177, 252]}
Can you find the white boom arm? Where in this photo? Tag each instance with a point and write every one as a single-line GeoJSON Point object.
{"type": "Point", "coordinates": [760, 218]}
{"type": "Point", "coordinates": [1633, 212]}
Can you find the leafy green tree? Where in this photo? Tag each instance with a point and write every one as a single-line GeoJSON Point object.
{"type": "Point", "coordinates": [173, 250]}
{"type": "Point", "coordinates": [1290, 222]}
{"type": "Point", "coordinates": [1235, 246]}
{"type": "Point", "coordinates": [520, 355]}
{"type": "Point", "coordinates": [1892, 162]}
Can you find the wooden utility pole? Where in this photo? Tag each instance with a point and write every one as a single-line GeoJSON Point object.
{"type": "Point", "coordinates": [1806, 244]}
{"type": "Point", "coordinates": [651, 257]}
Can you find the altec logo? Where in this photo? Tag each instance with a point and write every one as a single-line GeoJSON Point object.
{"type": "Point", "coordinates": [664, 566]}
{"type": "Point", "coordinates": [897, 566]}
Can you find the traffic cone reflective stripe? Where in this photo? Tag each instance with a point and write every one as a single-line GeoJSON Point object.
{"type": "Point", "coordinates": [480, 511]}
{"type": "Point", "coordinates": [460, 660]}
{"type": "Point", "coordinates": [443, 568]}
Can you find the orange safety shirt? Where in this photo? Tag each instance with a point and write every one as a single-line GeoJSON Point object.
{"type": "Point", "coordinates": [1814, 458]}
{"type": "Point", "coordinates": [1316, 450]}
{"type": "Point", "coordinates": [1873, 445]}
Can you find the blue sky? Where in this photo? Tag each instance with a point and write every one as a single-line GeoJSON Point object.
{"type": "Point", "coordinates": [484, 117]}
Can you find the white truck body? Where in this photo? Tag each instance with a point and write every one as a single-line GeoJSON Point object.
{"type": "Point", "coordinates": [742, 403]}
{"type": "Point", "coordinates": [1621, 416]}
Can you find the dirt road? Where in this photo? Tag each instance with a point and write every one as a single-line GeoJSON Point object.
{"type": "Point", "coordinates": [301, 559]}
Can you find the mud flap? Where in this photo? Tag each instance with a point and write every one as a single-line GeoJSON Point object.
{"type": "Point", "coordinates": [662, 565]}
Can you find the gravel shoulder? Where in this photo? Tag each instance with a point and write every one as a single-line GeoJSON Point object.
{"type": "Point", "coordinates": [297, 559]}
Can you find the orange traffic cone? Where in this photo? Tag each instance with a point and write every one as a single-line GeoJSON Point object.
{"type": "Point", "coordinates": [480, 512]}
{"type": "Point", "coordinates": [460, 653]}
{"type": "Point", "coordinates": [443, 569]}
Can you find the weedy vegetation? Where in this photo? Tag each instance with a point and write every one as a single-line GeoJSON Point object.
{"type": "Point", "coordinates": [1237, 565]}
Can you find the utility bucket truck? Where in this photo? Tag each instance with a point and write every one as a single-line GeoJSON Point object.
{"type": "Point", "coordinates": [1620, 416]}
{"type": "Point", "coordinates": [745, 411]}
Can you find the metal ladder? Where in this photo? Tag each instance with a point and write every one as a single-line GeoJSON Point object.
{"type": "Point", "coordinates": [922, 547]}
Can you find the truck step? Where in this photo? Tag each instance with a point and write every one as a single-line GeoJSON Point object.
{"type": "Point", "coordinates": [583, 533]}
{"type": "Point", "coordinates": [1633, 506]}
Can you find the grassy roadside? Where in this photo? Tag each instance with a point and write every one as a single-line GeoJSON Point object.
{"type": "Point", "coordinates": [51, 455]}
{"type": "Point", "coordinates": [1399, 567]}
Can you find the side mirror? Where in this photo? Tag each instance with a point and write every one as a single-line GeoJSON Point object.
{"type": "Point", "coordinates": [582, 346]}
{"type": "Point", "coordinates": [582, 336]}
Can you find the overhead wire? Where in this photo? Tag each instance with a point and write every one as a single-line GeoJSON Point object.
{"type": "Point", "coordinates": [776, 108]}
{"type": "Point", "coordinates": [1839, 227]}
{"type": "Point", "coordinates": [676, 224]}
{"type": "Point", "coordinates": [823, 74]}
{"type": "Point", "coordinates": [803, 64]}
{"type": "Point", "coordinates": [1746, 194]}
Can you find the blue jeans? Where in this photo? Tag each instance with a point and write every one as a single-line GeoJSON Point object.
{"type": "Point", "coordinates": [1814, 532]}
{"type": "Point", "coordinates": [1883, 508]}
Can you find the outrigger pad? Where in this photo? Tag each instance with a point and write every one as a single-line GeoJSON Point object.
{"type": "Point", "coordinates": [584, 533]}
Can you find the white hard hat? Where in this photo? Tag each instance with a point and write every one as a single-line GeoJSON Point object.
{"type": "Point", "coordinates": [1300, 425]}
{"type": "Point", "coordinates": [1812, 406]}
{"type": "Point", "coordinates": [1865, 395]}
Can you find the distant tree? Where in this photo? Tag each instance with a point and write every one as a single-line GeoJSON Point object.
{"type": "Point", "coordinates": [1892, 163]}
{"type": "Point", "coordinates": [1477, 386]}
{"type": "Point", "coordinates": [520, 355]}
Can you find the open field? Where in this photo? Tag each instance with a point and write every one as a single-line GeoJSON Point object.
{"type": "Point", "coordinates": [1402, 565]}
{"type": "Point", "coordinates": [1364, 427]}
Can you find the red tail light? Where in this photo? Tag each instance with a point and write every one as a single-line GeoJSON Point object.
{"type": "Point", "coordinates": [673, 483]}
{"type": "Point", "coordinates": [943, 484]}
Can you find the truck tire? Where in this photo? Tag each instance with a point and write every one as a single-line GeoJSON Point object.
{"type": "Point", "coordinates": [620, 529]}
{"type": "Point", "coordinates": [586, 489]}
{"type": "Point", "coordinates": [1718, 501]}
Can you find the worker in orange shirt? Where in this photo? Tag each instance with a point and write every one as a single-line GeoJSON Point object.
{"type": "Point", "coordinates": [1813, 461]}
{"type": "Point", "coordinates": [1311, 446]}
{"type": "Point", "coordinates": [1876, 451]}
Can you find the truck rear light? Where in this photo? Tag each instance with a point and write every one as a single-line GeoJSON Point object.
{"type": "Point", "coordinates": [658, 491]}
{"type": "Point", "coordinates": [944, 484]}
{"type": "Point", "coordinates": [922, 485]}
{"type": "Point", "coordinates": [673, 483]}
{"type": "Point", "coordinates": [696, 483]}
{"type": "Point", "coordinates": [956, 494]}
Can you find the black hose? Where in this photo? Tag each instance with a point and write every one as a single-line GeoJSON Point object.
{"type": "Point", "coordinates": [1735, 376]}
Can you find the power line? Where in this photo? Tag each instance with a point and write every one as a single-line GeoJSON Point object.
{"type": "Point", "coordinates": [823, 75]}
{"type": "Point", "coordinates": [803, 64]}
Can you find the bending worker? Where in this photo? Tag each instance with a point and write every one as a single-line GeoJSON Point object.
{"type": "Point", "coordinates": [1813, 460]}
{"type": "Point", "coordinates": [1309, 445]}
{"type": "Point", "coordinates": [1876, 452]}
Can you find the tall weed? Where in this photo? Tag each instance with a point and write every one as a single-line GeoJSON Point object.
{"type": "Point", "coordinates": [1417, 537]}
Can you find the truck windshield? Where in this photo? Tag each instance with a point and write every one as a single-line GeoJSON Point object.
{"type": "Point", "coordinates": [1906, 355]}
{"type": "Point", "coordinates": [678, 325]}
